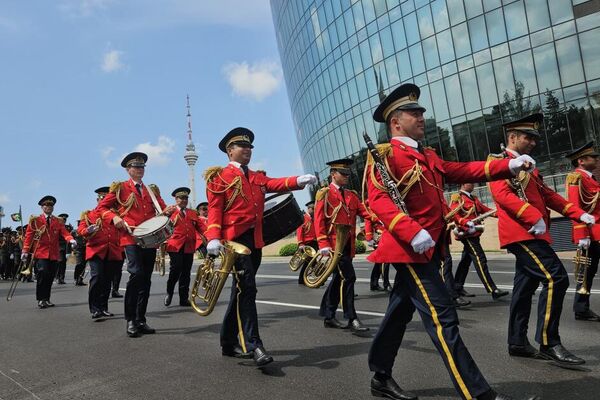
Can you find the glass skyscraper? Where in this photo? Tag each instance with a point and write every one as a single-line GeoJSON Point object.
{"type": "Point", "coordinates": [479, 63]}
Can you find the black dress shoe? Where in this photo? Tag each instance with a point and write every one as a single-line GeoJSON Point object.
{"type": "Point", "coordinates": [62, 282]}
{"type": "Point", "coordinates": [132, 330]}
{"type": "Point", "coordinates": [237, 352]}
{"type": "Point", "coordinates": [80, 282]}
{"type": "Point", "coordinates": [560, 354]}
{"type": "Point", "coordinates": [49, 304]}
{"type": "Point", "coordinates": [376, 288]}
{"type": "Point", "coordinates": [168, 299]}
{"type": "Point", "coordinates": [460, 302]}
{"type": "Point", "coordinates": [261, 357]}
{"type": "Point", "coordinates": [97, 314]}
{"type": "Point", "coordinates": [526, 350]}
{"type": "Point", "coordinates": [184, 303]}
{"type": "Point", "coordinates": [356, 326]}
{"type": "Point", "coordinates": [464, 293]}
{"type": "Point", "coordinates": [332, 323]}
{"type": "Point", "coordinates": [116, 294]}
{"type": "Point", "coordinates": [588, 315]}
{"type": "Point", "coordinates": [387, 288]}
{"type": "Point", "coordinates": [145, 328]}
{"type": "Point", "coordinates": [42, 304]}
{"type": "Point", "coordinates": [107, 314]}
{"type": "Point", "coordinates": [497, 293]}
{"type": "Point", "coordinates": [386, 386]}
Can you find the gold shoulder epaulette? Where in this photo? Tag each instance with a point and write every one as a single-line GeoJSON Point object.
{"type": "Point", "coordinates": [384, 150]}
{"type": "Point", "coordinates": [31, 218]}
{"type": "Point", "coordinates": [573, 178]}
{"type": "Point", "coordinates": [321, 194]}
{"type": "Point", "coordinates": [493, 156]}
{"type": "Point", "coordinates": [115, 186]}
{"type": "Point", "coordinates": [154, 188]}
{"type": "Point", "coordinates": [84, 215]}
{"type": "Point", "coordinates": [455, 198]}
{"type": "Point", "coordinates": [210, 172]}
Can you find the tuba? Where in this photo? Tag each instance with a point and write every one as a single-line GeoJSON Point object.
{"type": "Point", "coordinates": [211, 278]}
{"type": "Point", "coordinates": [301, 256]}
{"type": "Point", "coordinates": [318, 270]}
{"type": "Point", "coordinates": [582, 263]}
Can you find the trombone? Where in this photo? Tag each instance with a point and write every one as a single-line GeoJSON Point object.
{"type": "Point", "coordinates": [25, 269]}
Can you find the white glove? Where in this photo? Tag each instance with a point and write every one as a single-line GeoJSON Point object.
{"type": "Point", "coordinates": [587, 219]}
{"type": "Point", "coordinates": [214, 247]}
{"type": "Point", "coordinates": [471, 228]}
{"type": "Point", "coordinates": [516, 164]}
{"type": "Point", "coordinates": [301, 246]}
{"type": "Point", "coordinates": [24, 256]}
{"type": "Point", "coordinates": [539, 228]}
{"type": "Point", "coordinates": [92, 228]}
{"type": "Point", "coordinates": [304, 180]}
{"type": "Point", "coordinates": [584, 243]}
{"type": "Point", "coordinates": [422, 242]}
{"type": "Point", "coordinates": [325, 251]}
{"type": "Point", "coordinates": [73, 242]}
{"type": "Point", "coordinates": [12, 257]}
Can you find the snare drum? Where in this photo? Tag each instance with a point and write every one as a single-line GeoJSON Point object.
{"type": "Point", "coordinates": [282, 216]}
{"type": "Point", "coordinates": [153, 232]}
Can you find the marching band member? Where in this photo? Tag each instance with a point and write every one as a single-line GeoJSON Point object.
{"type": "Point", "coordinates": [202, 209]}
{"type": "Point", "coordinates": [63, 247]}
{"type": "Point", "coordinates": [583, 190]}
{"type": "Point", "coordinates": [306, 236]}
{"type": "Point", "coordinates": [523, 217]}
{"type": "Point", "coordinates": [413, 240]}
{"type": "Point", "coordinates": [466, 206]}
{"type": "Point", "coordinates": [374, 226]}
{"type": "Point", "coordinates": [49, 228]}
{"type": "Point", "coordinates": [336, 204]}
{"type": "Point", "coordinates": [104, 253]}
{"type": "Point", "coordinates": [236, 197]}
{"type": "Point", "coordinates": [127, 205]}
{"type": "Point", "coordinates": [182, 245]}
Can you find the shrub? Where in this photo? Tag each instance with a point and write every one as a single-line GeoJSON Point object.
{"type": "Point", "coordinates": [361, 247]}
{"type": "Point", "coordinates": [288, 249]}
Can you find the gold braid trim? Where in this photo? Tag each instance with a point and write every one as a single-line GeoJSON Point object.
{"type": "Point", "coordinates": [321, 194]}
{"type": "Point", "coordinates": [588, 200]}
{"type": "Point", "coordinates": [127, 204]}
{"type": "Point", "coordinates": [212, 174]}
{"type": "Point", "coordinates": [574, 178]}
{"type": "Point", "coordinates": [155, 189]}
{"type": "Point", "coordinates": [524, 178]}
{"type": "Point", "coordinates": [115, 186]}
{"type": "Point", "coordinates": [84, 216]}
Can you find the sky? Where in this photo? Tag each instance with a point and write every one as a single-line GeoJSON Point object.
{"type": "Point", "coordinates": [84, 82]}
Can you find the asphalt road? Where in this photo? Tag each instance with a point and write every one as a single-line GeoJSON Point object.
{"type": "Point", "coordinates": [60, 353]}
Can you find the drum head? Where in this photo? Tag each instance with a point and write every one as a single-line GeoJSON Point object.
{"type": "Point", "coordinates": [272, 202]}
{"type": "Point", "coordinates": [151, 225]}
{"type": "Point", "coordinates": [282, 216]}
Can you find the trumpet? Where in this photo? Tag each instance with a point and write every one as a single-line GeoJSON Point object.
{"type": "Point", "coordinates": [211, 278]}
{"type": "Point", "coordinates": [582, 263]}
{"type": "Point", "coordinates": [301, 256]}
{"type": "Point", "coordinates": [318, 270]}
{"type": "Point", "coordinates": [25, 269]}
{"type": "Point", "coordinates": [159, 264]}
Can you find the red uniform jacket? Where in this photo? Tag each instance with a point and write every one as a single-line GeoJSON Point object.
{"type": "Point", "coordinates": [331, 209]}
{"type": "Point", "coordinates": [583, 191]}
{"type": "Point", "coordinates": [105, 242]}
{"type": "Point", "coordinates": [421, 177]}
{"type": "Point", "coordinates": [236, 204]}
{"type": "Point", "coordinates": [468, 207]}
{"type": "Point", "coordinates": [516, 217]}
{"type": "Point", "coordinates": [130, 205]}
{"type": "Point", "coordinates": [199, 235]}
{"type": "Point", "coordinates": [186, 231]}
{"type": "Point", "coordinates": [306, 232]}
{"type": "Point", "coordinates": [47, 247]}
{"type": "Point", "coordinates": [372, 226]}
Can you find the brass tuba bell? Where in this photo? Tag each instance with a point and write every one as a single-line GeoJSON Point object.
{"type": "Point", "coordinates": [318, 270]}
{"type": "Point", "coordinates": [301, 256]}
{"type": "Point", "coordinates": [582, 263]}
{"type": "Point", "coordinates": [210, 277]}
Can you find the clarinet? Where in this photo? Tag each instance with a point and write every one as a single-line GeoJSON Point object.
{"type": "Point", "coordinates": [387, 180]}
{"type": "Point", "coordinates": [516, 183]}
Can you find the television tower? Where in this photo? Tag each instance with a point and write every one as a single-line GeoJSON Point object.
{"type": "Point", "coordinates": [190, 155]}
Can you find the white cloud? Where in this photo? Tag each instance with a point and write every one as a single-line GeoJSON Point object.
{"type": "Point", "coordinates": [35, 183]}
{"type": "Point", "coordinates": [83, 8]}
{"type": "Point", "coordinates": [256, 81]}
{"type": "Point", "coordinates": [111, 61]}
{"type": "Point", "coordinates": [159, 153]}
{"type": "Point", "coordinates": [106, 152]}
{"type": "Point", "coordinates": [4, 198]}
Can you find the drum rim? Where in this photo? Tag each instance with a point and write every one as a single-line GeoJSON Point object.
{"type": "Point", "coordinates": [277, 207]}
{"type": "Point", "coordinates": [167, 223]}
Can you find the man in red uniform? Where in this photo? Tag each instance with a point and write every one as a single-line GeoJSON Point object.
{"type": "Point", "coordinates": [335, 204]}
{"type": "Point", "coordinates": [104, 254]}
{"type": "Point", "coordinates": [523, 217]}
{"type": "Point", "coordinates": [583, 190]}
{"type": "Point", "coordinates": [465, 206]}
{"type": "Point", "coordinates": [41, 238]}
{"type": "Point", "coordinates": [306, 236]}
{"type": "Point", "coordinates": [182, 245]}
{"type": "Point", "coordinates": [236, 197]}
{"type": "Point", "coordinates": [413, 241]}
{"type": "Point", "coordinates": [127, 205]}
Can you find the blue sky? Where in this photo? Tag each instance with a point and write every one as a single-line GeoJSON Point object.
{"type": "Point", "coordinates": [83, 82]}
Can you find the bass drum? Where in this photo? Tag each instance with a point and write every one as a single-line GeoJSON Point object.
{"type": "Point", "coordinates": [282, 216]}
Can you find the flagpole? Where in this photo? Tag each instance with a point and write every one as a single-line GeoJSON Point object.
{"type": "Point", "coordinates": [21, 218]}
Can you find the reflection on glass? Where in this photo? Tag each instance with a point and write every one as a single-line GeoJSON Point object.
{"type": "Point", "coordinates": [560, 11]}
{"type": "Point", "coordinates": [403, 62]}
{"type": "Point", "coordinates": [447, 141]}
{"type": "Point", "coordinates": [546, 67]}
{"type": "Point", "coordinates": [455, 11]}
{"type": "Point", "coordinates": [473, 8]}
{"type": "Point", "coordinates": [569, 61]}
{"type": "Point", "coordinates": [446, 49]}
{"type": "Point", "coordinates": [416, 58]}
{"type": "Point", "coordinates": [454, 92]}
{"type": "Point", "coordinates": [590, 47]}
{"type": "Point", "coordinates": [504, 77]}
{"type": "Point", "coordinates": [359, 18]}
{"type": "Point", "coordinates": [563, 30]}
{"type": "Point", "coordinates": [541, 37]}
{"type": "Point", "coordinates": [438, 97]}
{"type": "Point", "coordinates": [425, 22]}
{"type": "Point", "coordinates": [524, 72]}
{"type": "Point", "coordinates": [478, 33]}
{"type": "Point", "coordinates": [398, 34]}
{"type": "Point", "coordinates": [461, 40]}
{"type": "Point", "coordinates": [387, 43]}
{"type": "Point", "coordinates": [392, 71]}
{"type": "Point", "coordinates": [470, 90]}
{"type": "Point", "coordinates": [376, 50]}
{"type": "Point", "coordinates": [478, 136]}
{"type": "Point", "coordinates": [491, 4]}
{"type": "Point", "coordinates": [495, 27]}
{"type": "Point", "coordinates": [440, 15]}
{"type": "Point", "coordinates": [431, 53]}
{"type": "Point", "coordinates": [461, 136]}
{"type": "Point", "coordinates": [411, 28]}
{"type": "Point", "coordinates": [537, 14]}
{"type": "Point", "coordinates": [516, 23]}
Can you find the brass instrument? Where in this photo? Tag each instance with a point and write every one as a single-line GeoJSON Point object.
{"type": "Point", "coordinates": [478, 228]}
{"type": "Point", "coordinates": [301, 256]}
{"type": "Point", "coordinates": [318, 270]}
{"type": "Point", "coordinates": [159, 264]}
{"type": "Point", "coordinates": [582, 263]}
{"type": "Point", "coordinates": [211, 278]}
{"type": "Point", "coordinates": [25, 269]}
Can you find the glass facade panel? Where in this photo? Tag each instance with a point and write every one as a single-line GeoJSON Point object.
{"type": "Point", "coordinates": [569, 61]}
{"type": "Point", "coordinates": [473, 8]}
{"type": "Point", "coordinates": [516, 22]}
{"type": "Point", "coordinates": [454, 93]}
{"type": "Point", "coordinates": [445, 47]}
{"type": "Point", "coordinates": [546, 67]}
{"type": "Point", "coordinates": [495, 27]}
{"type": "Point", "coordinates": [478, 33]}
{"type": "Point", "coordinates": [590, 49]}
{"type": "Point", "coordinates": [411, 28]}
{"type": "Point", "coordinates": [487, 85]}
{"type": "Point", "coordinates": [431, 53]}
{"type": "Point", "coordinates": [560, 11]}
{"type": "Point", "coordinates": [416, 57]}
{"type": "Point", "coordinates": [537, 14]}
{"type": "Point", "coordinates": [398, 34]}
{"type": "Point", "coordinates": [456, 11]}
{"type": "Point", "coordinates": [462, 45]}
{"type": "Point", "coordinates": [468, 82]}
{"type": "Point", "coordinates": [425, 22]}
{"type": "Point", "coordinates": [524, 72]}
{"type": "Point", "coordinates": [440, 15]}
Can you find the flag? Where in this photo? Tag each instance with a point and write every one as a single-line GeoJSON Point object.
{"type": "Point", "coordinates": [16, 217]}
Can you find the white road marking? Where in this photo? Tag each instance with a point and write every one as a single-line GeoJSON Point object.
{"type": "Point", "coordinates": [21, 386]}
{"type": "Point", "coordinates": [308, 307]}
